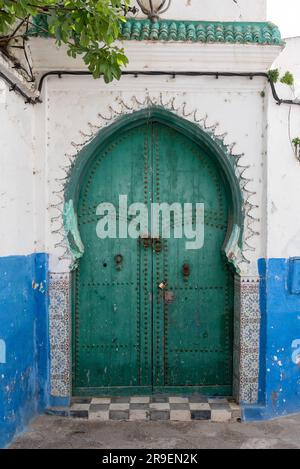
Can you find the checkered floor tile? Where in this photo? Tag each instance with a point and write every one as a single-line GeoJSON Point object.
{"type": "Point", "coordinates": [146, 408]}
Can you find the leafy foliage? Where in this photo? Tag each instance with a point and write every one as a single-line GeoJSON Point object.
{"type": "Point", "coordinates": [274, 75]}
{"type": "Point", "coordinates": [87, 27]}
{"type": "Point", "coordinates": [288, 79]}
{"type": "Point", "coordinates": [296, 142]}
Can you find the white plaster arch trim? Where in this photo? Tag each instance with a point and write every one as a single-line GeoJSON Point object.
{"type": "Point", "coordinates": [177, 105]}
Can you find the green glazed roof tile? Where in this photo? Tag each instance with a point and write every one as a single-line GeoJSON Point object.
{"type": "Point", "coordinates": [188, 31]}
{"type": "Point", "coordinates": [201, 31]}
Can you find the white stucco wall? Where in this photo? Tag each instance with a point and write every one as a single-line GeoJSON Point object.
{"type": "Point", "coordinates": [283, 169]}
{"type": "Point", "coordinates": [212, 10]}
{"type": "Point", "coordinates": [17, 193]}
{"type": "Point", "coordinates": [35, 140]}
{"type": "Point", "coordinates": [235, 105]}
{"type": "Point", "coordinates": [73, 106]}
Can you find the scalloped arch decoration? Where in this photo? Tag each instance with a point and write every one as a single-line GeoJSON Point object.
{"type": "Point", "coordinates": [121, 107]}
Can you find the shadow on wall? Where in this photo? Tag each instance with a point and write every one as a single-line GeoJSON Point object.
{"type": "Point", "coordinates": [24, 349]}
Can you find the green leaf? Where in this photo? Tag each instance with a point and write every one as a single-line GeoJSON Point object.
{"type": "Point", "coordinates": [88, 28]}
{"type": "Point", "coordinates": [274, 75]}
{"type": "Point", "coordinates": [288, 79]}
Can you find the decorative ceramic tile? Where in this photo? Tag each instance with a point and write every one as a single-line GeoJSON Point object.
{"type": "Point", "coordinates": [249, 338]}
{"type": "Point", "coordinates": [246, 338]}
{"type": "Point", "coordinates": [248, 392]}
{"type": "Point", "coordinates": [59, 325]}
{"type": "Point", "coordinates": [246, 341]}
{"type": "Point", "coordinates": [250, 298]}
{"type": "Point", "coordinates": [249, 366]}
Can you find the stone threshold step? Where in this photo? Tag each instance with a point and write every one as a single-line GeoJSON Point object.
{"type": "Point", "coordinates": [151, 408]}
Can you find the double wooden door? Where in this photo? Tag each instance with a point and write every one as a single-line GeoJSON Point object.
{"type": "Point", "coordinates": [150, 315]}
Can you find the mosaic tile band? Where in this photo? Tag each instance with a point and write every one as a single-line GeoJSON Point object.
{"type": "Point", "coordinates": [60, 334]}
{"type": "Point", "coordinates": [246, 342]}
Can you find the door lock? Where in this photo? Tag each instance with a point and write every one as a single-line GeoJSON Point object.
{"type": "Point", "coordinates": [148, 241]}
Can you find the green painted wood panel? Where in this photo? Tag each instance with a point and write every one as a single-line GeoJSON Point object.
{"type": "Point", "coordinates": [192, 334]}
{"type": "Point", "coordinates": [112, 308]}
{"type": "Point", "coordinates": [127, 337]}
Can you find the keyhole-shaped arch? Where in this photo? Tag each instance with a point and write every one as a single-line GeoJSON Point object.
{"type": "Point", "coordinates": [211, 146]}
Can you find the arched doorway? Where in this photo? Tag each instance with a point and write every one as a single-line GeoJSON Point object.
{"type": "Point", "coordinates": [150, 315]}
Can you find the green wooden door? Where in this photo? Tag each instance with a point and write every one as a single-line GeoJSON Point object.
{"type": "Point", "coordinates": [152, 316]}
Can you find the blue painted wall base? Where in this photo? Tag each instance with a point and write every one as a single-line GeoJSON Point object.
{"type": "Point", "coordinates": [279, 392]}
{"type": "Point", "coordinates": [24, 347]}
{"type": "Point", "coordinates": [24, 337]}
{"type": "Point", "coordinates": [59, 401]}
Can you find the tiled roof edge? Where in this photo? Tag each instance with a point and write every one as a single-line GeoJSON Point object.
{"type": "Point", "coordinates": [187, 31]}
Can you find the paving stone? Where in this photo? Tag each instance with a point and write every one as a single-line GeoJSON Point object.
{"type": "Point", "coordinates": [118, 415]}
{"type": "Point", "coordinates": [101, 416]}
{"type": "Point", "coordinates": [119, 407]}
{"type": "Point", "coordinates": [180, 406]}
{"type": "Point", "coordinates": [200, 406]}
{"type": "Point", "coordinates": [160, 406]}
{"type": "Point", "coordinates": [159, 415]}
{"type": "Point", "coordinates": [220, 416]}
{"type": "Point", "coordinates": [99, 407]}
{"type": "Point", "coordinates": [201, 414]}
{"type": "Point", "coordinates": [138, 414]}
{"type": "Point", "coordinates": [180, 415]}
{"type": "Point", "coordinates": [101, 400]}
{"type": "Point", "coordinates": [234, 406]}
{"type": "Point", "coordinates": [157, 407]}
{"type": "Point", "coordinates": [79, 414]}
{"type": "Point", "coordinates": [220, 407]}
{"type": "Point", "coordinates": [80, 407]}
{"type": "Point", "coordinates": [139, 406]}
